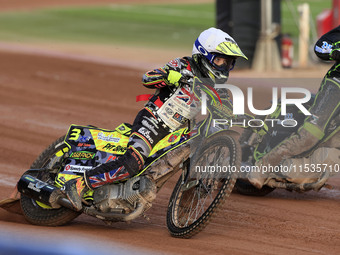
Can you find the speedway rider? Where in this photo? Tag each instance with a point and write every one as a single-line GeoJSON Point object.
{"type": "Point", "coordinates": [325, 106]}
{"type": "Point", "coordinates": [214, 55]}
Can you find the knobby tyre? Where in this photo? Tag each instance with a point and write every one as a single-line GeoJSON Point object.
{"type": "Point", "coordinates": [35, 212]}
{"type": "Point", "coordinates": [191, 209]}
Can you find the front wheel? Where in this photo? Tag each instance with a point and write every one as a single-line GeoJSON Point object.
{"type": "Point", "coordinates": [194, 202]}
{"type": "Point", "coordinates": [36, 212]}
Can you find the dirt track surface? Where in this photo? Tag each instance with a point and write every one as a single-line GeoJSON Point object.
{"type": "Point", "coordinates": [41, 96]}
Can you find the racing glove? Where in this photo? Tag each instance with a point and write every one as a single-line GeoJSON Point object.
{"type": "Point", "coordinates": [174, 77]}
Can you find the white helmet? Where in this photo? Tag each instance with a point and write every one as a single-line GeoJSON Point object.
{"type": "Point", "coordinates": [213, 43]}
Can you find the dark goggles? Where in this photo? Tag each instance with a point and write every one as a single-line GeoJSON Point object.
{"type": "Point", "coordinates": [228, 62]}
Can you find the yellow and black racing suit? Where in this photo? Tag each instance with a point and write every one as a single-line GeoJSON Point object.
{"type": "Point", "coordinates": [148, 128]}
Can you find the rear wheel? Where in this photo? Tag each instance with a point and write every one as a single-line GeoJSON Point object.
{"type": "Point", "coordinates": [36, 212]}
{"type": "Point", "coordinates": [194, 202]}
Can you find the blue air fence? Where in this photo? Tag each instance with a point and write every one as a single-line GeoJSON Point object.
{"type": "Point", "coordinates": [38, 242]}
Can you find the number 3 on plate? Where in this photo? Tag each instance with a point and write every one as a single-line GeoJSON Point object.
{"type": "Point", "coordinates": [75, 134]}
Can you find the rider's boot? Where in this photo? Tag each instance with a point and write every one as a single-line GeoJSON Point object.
{"type": "Point", "coordinates": [74, 191]}
{"type": "Point", "coordinates": [257, 178]}
{"type": "Point", "coordinates": [297, 143]}
{"type": "Point", "coordinates": [321, 160]}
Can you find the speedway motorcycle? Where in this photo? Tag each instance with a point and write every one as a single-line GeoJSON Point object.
{"type": "Point", "coordinates": [308, 171]}
{"type": "Point", "coordinates": [196, 196]}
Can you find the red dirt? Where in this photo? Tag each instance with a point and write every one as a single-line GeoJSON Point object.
{"type": "Point", "coordinates": [41, 96]}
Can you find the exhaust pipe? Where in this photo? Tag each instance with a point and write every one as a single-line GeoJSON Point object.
{"type": "Point", "coordinates": [42, 192]}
